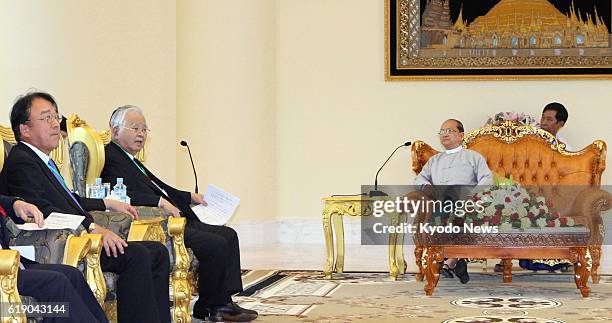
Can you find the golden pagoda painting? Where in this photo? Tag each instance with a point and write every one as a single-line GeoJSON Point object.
{"type": "Point", "coordinates": [489, 37]}
{"type": "Point", "coordinates": [513, 24]}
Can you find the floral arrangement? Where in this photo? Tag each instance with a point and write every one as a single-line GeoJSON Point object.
{"type": "Point", "coordinates": [518, 117]}
{"type": "Point", "coordinates": [510, 206]}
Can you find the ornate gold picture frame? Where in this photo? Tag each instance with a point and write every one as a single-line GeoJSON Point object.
{"type": "Point", "coordinates": [498, 39]}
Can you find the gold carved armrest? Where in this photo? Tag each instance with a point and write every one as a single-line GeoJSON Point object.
{"type": "Point", "coordinates": [76, 249]}
{"type": "Point", "coordinates": [150, 224]}
{"type": "Point", "coordinates": [95, 278]}
{"type": "Point", "coordinates": [181, 286]}
{"type": "Point", "coordinates": [9, 267]}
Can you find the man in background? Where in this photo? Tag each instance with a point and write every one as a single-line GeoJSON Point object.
{"type": "Point", "coordinates": [554, 117]}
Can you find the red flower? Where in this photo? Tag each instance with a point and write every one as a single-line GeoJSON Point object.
{"type": "Point", "coordinates": [542, 212]}
{"type": "Point", "coordinates": [514, 216]}
{"type": "Point", "coordinates": [525, 200]}
{"type": "Point", "coordinates": [517, 194]}
{"type": "Point", "coordinates": [507, 199]}
{"type": "Point", "coordinates": [486, 218]}
{"type": "Point", "coordinates": [498, 212]}
{"type": "Point", "coordinates": [530, 215]}
{"type": "Point", "coordinates": [549, 203]}
{"type": "Point", "coordinates": [550, 223]}
{"type": "Point", "coordinates": [563, 222]}
{"type": "Point", "coordinates": [556, 214]}
{"type": "Point", "coordinates": [496, 219]}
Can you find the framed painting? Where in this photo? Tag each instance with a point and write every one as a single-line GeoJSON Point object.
{"type": "Point", "coordinates": [498, 39]}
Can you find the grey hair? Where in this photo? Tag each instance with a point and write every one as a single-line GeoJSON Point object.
{"type": "Point", "coordinates": [118, 117]}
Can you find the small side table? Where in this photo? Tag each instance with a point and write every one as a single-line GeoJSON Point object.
{"type": "Point", "coordinates": [333, 210]}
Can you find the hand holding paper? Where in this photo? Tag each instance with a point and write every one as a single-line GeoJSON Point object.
{"type": "Point", "coordinates": [55, 221]}
{"type": "Point", "coordinates": [221, 206]}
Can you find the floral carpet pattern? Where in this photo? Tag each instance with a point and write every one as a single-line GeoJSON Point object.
{"type": "Point", "coordinates": [292, 296]}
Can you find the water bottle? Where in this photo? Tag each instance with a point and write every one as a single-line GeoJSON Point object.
{"type": "Point", "coordinates": [120, 190]}
{"type": "Point", "coordinates": [107, 189]}
{"type": "Point", "coordinates": [97, 189]}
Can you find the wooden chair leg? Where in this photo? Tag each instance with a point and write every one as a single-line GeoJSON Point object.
{"type": "Point", "coordinates": [434, 261]}
{"type": "Point", "coordinates": [595, 251]}
{"type": "Point", "coordinates": [507, 270]}
{"type": "Point", "coordinates": [418, 259]}
{"type": "Point", "coordinates": [582, 269]}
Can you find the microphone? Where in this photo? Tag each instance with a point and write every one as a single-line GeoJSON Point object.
{"type": "Point", "coordinates": [376, 192]}
{"type": "Point", "coordinates": [184, 144]}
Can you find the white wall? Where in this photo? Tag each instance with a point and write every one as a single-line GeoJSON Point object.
{"type": "Point", "coordinates": [94, 56]}
{"type": "Point", "coordinates": [226, 100]}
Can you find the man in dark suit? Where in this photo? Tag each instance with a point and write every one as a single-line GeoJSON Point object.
{"type": "Point", "coordinates": [29, 172]}
{"type": "Point", "coordinates": [49, 282]}
{"type": "Point", "coordinates": [216, 247]}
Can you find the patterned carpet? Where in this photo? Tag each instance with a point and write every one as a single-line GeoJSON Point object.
{"type": "Point", "coordinates": [281, 296]}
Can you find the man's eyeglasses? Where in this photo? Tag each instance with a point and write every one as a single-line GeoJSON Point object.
{"type": "Point", "coordinates": [49, 118]}
{"type": "Point", "coordinates": [446, 131]}
{"type": "Point", "coordinates": [138, 130]}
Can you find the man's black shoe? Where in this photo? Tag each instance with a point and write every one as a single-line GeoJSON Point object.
{"type": "Point", "coordinates": [461, 271]}
{"type": "Point", "coordinates": [243, 310]}
{"type": "Point", "coordinates": [224, 313]}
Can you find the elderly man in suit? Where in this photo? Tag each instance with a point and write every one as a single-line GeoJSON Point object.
{"type": "Point", "coordinates": [29, 172]}
{"type": "Point", "coordinates": [49, 282]}
{"type": "Point", "coordinates": [216, 247]}
{"type": "Point", "coordinates": [453, 170]}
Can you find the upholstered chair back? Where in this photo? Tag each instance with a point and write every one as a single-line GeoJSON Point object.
{"type": "Point", "coordinates": [87, 152]}
{"type": "Point", "coordinates": [532, 157]}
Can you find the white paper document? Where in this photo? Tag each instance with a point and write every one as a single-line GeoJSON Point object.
{"type": "Point", "coordinates": [25, 251]}
{"type": "Point", "coordinates": [55, 221]}
{"type": "Point", "coordinates": [221, 206]}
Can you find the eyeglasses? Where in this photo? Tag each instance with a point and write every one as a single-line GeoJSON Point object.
{"type": "Point", "coordinates": [49, 118]}
{"type": "Point", "coordinates": [138, 130]}
{"type": "Point", "coordinates": [446, 131]}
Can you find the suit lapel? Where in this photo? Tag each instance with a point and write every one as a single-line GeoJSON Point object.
{"type": "Point", "coordinates": [146, 178]}
{"type": "Point", "coordinates": [54, 181]}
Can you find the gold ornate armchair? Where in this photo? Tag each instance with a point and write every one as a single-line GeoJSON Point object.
{"type": "Point", "coordinates": [154, 224]}
{"type": "Point", "coordinates": [9, 267]}
{"type": "Point", "coordinates": [70, 247]}
{"type": "Point", "coordinates": [533, 157]}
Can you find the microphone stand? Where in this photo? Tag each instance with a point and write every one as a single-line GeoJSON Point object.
{"type": "Point", "coordinates": [376, 192]}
